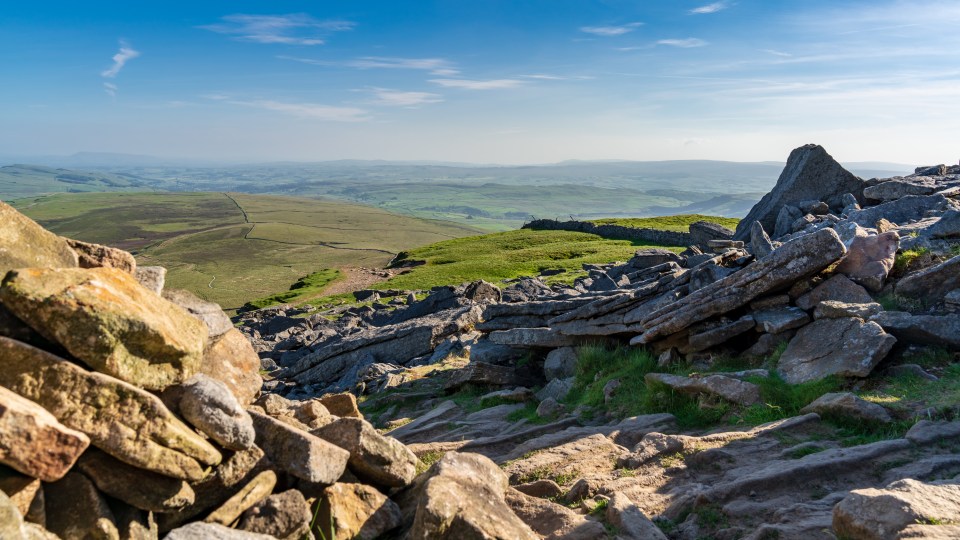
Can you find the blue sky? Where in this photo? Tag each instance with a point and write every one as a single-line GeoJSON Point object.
{"type": "Point", "coordinates": [490, 81]}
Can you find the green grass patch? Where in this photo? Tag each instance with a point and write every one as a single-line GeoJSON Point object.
{"type": "Point", "coordinates": [782, 400]}
{"type": "Point", "coordinates": [508, 255]}
{"type": "Point", "coordinates": [906, 392]}
{"type": "Point", "coordinates": [427, 460]}
{"type": "Point", "coordinates": [303, 289]}
{"type": "Point", "coordinates": [678, 223]}
{"type": "Point", "coordinates": [528, 413]}
{"type": "Point", "coordinates": [903, 260]}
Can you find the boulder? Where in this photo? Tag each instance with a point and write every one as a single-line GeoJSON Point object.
{"type": "Point", "coordinates": [925, 432]}
{"type": "Point", "coordinates": [630, 521]}
{"type": "Point", "coordinates": [832, 309]}
{"type": "Point", "coordinates": [33, 442]}
{"type": "Point", "coordinates": [838, 288]}
{"type": "Point", "coordinates": [463, 496]}
{"type": "Point", "coordinates": [151, 278]}
{"type": "Point", "coordinates": [374, 458]}
{"type": "Point", "coordinates": [120, 419]}
{"type": "Point", "coordinates": [75, 509]}
{"type": "Point", "coordinates": [560, 363]}
{"type": "Point", "coordinates": [212, 531]}
{"type": "Point", "coordinates": [217, 322]}
{"type": "Point", "coordinates": [210, 407]}
{"type": "Point", "coordinates": [356, 511]}
{"type": "Point", "coordinates": [948, 226]}
{"type": "Point", "coordinates": [11, 522]}
{"type": "Point", "coordinates": [301, 454]}
{"type": "Point", "coordinates": [549, 408]}
{"type": "Point", "coordinates": [937, 330]}
{"type": "Point", "coordinates": [230, 359]}
{"type": "Point", "coordinates": [97, 256]}
{"type": "Point", "coordinates": [285, 516]}
{"type": "Point", "coordinates": [702, 232]}
{"type": "Point", "coordinates": [902, 211]}
{"type": "Point", "coordinates": [543, 489]}
{"type": "Point", "coordinates": [792, 261]}
{"type": "Point", "coordinates": [484, 374]}
{"type": "Point", "coordinates": [848, 406]}
{"type": "Point", "coordinates": [897, 188]}
{"type": "Point", "coordinates": [728, 388]}
{"type": "Point", "coordinates": [531, 337]}
{"type": "Point", "coordinates": [556, 389]}
{"type": "Point", "coordinates": [139, 488]}
{"type": "Point", "coordinates": [344, 404]}
{"type": "Point", "coordinates": [810, 173]}
{"type": "Point", "coordinates": [720, 333]}
{"type": "Point", "coordinates": [870, 258]}
{"type": "Point", "coordinates": [779, 320]}
{"type": "Point", "coordinates": [253, 492]}
{"type": "Point", "coordinates": [932, 283]}
{"type": "Point", "coordinates": [552, 520]}
{"type": "Point", "coordinates": [25, 244]}
{"type": "Point", "coordinates": [760, 243]}
{"type": "Point", "coordinates": [848, 347]}
{"type": "Point", "coordinates": [786, 220]}
{"type": "Point", "coordinates": [107, 320]}
{"type": "Point", "coordinates": [880, 514]}
{"type": "Point", "coordinates": [648, 257]}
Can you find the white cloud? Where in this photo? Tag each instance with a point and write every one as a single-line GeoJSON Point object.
{"type": "Point", "coordinates": [291, 29]}
{"type": "Point", "coordinates": [309, 110]}
{"type": "Point", "coordinates": [777, 53]}
{"type": "Point", "coordinates": [709, 8]}
{"type": "Point", "coordinates": [609, 31]}
{"type": "Point", "coordinates": [110, 89]}
{"type": "Point", "coordinates": [124, 55]}
{"type": "Point", "coordinates": [683, 43]}
{"type": "Point", "coordinates": [398, 98]}
{"type": "Point", "coordinates": [436, 66]}
{"type": "Point", "coordinates": [493, 84]}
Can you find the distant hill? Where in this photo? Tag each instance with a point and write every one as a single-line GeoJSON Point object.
{"type": "Point", "coordinates": [18, 181]}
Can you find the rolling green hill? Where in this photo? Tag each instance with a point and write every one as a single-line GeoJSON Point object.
{"type": "Point", "coordinates": [233, 248]}
{"type": "Point", "coordinates": [18, 181]}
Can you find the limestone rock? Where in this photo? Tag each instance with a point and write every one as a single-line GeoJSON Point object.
{"type": "Point", "coordinates": [901, 211]}
{"type": "Point", "coordinates": [285, 516]}
{"type": "Point", "coordinates": [701, 232]}
{"type": "Point", "coordinates": [848, 406]}
{"type": "Point", "coordinates": [927, 431]}
{"type": "Point", "coordinates": [543, 489]}
{"type": "Point", "coordinates": [76, 510]}
{"type": "Point", "coordinates": [252, 493]}
{"type": "Point", "coordinates": [838, 288]}
{"type": "Point", "coordinates": [728, 388]}
{"type": "Point", "coordinates": [97, 256]}
{"type": "Point", "coordinates": [301, 454]}
{"type": "Point", "coordinates": [848, 347]}
{"type": "Point", "coordinates": [894, 189]}
{"type": "Point", "coordinates": [630, 521]}
{"type": "Point", "coordinates": [212, 531]}
{"type": "Point", "coordinates": [553, 521]}
{"type": "Point", "coordinates": [217, 322]}
{"type": "Point", "coordinates": [374, 458]}
{"type": "Point", "coordinates": [141, 489]}
{"type": "Point", "coordinates": [937, 330]}
{"type": "Point", "coordinates": [648, 257]}
{"type": "Point", "coordinates": [33, 442]}
{"type": "Point", "coordinates": [792, 261]}
{"type": "Point", "coordinates": [934, 282]}
{"type": "Point", "coordinates": [560, 363]}
{"type": "Point", "coordinates": [810, 173]}
{"type": "Point", "coordinates": [880, 514]}
{"type": "Point", "coordinates": [760, 243]}
{"type": "Point", "coordinates": [531, 337]}
{"type": "Point", "coordinates": [463, 496]}
{"type": "Point", "coordinates": [120, 419]}
{"type": "Point", "coordinates": [721, 333]}
{"type": "Point", "coordinates": [356, 511]}
{"type": "Point", "coordinates": [779, 320]}
{"type": "Point", "coordinates": [210, 407]}
{"type": "Point", "coordinates": [107, 320]}
{"type": "Point", "coordinates": [25, 244]}
{"type": "Point", "coordinates": [230, 359]}
{"type": "Point", "coordinates": [870, 258]}
{"type": "Point", "coordinates": [152, 278]}
{"type": "Point", "coordinates": [832, 309]}
{"type": "Point", "coordinates": [556, 389]}
{"type": "Point", "coordinates": [484, 374]}
{"type": "Point", "coordinates": [341, 405]}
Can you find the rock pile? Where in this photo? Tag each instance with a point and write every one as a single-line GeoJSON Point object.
{"type": "Point", "coordinates": [132, 412]}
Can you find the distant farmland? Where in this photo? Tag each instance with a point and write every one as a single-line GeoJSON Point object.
{"type": "Point", "coordinates": [233, 248]}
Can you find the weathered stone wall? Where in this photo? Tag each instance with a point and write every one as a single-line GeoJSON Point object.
{"type": "Point", "coordinates": [666, 238]}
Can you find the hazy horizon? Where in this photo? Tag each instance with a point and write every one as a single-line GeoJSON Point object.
{"type": "Point", "coordinates": [487, 82]}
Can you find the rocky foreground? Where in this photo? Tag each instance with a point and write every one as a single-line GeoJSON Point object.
{"type": "Point", "coordinates": [128, 410]}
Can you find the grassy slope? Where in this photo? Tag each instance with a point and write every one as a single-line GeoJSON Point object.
{"type": "Point", "coordinates": [511, 254]}
{"type": "Point", "coordinates": [211, 248]}
{"type": "Point", "coordinates": [679, 223]}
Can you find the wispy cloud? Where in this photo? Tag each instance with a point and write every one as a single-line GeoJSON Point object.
{"type": "Point", "coordinates": [399, 98]}
{"type": "Point", "coordinates": [313, 111]}
{"type": "Point", "coordinates": [436, 66]}
{"type": "Point", "coordinates": [124, 55]}
{"type": "Point", "coordinates": [777, 53]}
{"type": "Point", "coordinates": [547, 77]}
{"type": "Point", "coordinates": [110, 89]}
{"type": "Point", "coordinates": [468, 84]}
{"type": "Point", "coordinates": [610, 31]}
{"type": "Point", "coordinates": [710, 8]}
{"type": "Point", "coordinates": [290, 29]}
{"type": "Point", "coordinates": [688, 43]}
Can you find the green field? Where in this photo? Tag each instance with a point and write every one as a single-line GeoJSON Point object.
{"type": "Point", "coordinates": [678, 223]}
{"type": "Point", "coordinates": [234, 248]}
{"type": "Point", "coordinates": [499, 256]}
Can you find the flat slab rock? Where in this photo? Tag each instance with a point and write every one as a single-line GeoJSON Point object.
{"type": "Point", "coordinates": [120, 419]}
{"type": "Point", "coordinates": [728, 388]}
{"type": "Point", "coordinates": [883, 513]}
{"type": "Point", "coordinates": [848, 405]}
{"type": "Point", "coordinates": [531, 337]}
{"type": "Point", "coordinates": [848, 347]}
{"type": "Point", "coordinates": [934, 282]}
{"type": "Point", "coordinates": [33, 442]}
{"type": "Point", "coordinates": [937, 330]}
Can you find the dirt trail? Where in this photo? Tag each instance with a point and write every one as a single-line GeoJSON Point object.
{"type": "Point", "coordinates": [356, 278]}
